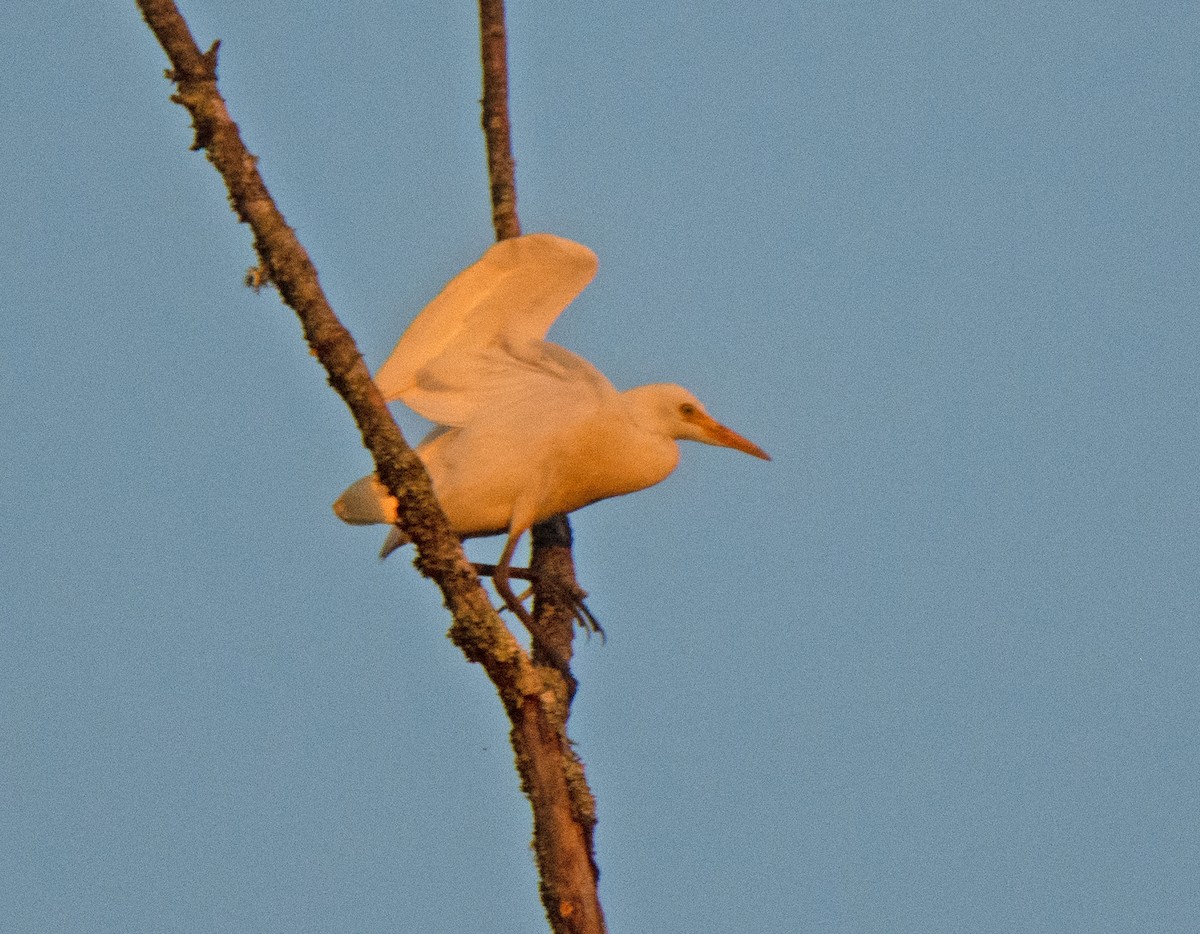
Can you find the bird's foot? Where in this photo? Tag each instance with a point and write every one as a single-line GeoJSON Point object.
{"type": "Point", "coordinates": [511, 601]}
{"type": "Point", "coordinates": [579, 610]}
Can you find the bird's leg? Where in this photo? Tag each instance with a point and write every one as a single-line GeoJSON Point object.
{"type": "Point", "coordinates": [500, 576]}
{"type": "Point", "coordinates": [583, 616]}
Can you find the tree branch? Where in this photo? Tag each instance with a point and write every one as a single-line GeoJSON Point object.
{"type": "Point", "coordinates": [536, 697]}
{"type": "Point", "coordinates": [477, 630]}
{"type": "Point", "coordinates": [552, 776]}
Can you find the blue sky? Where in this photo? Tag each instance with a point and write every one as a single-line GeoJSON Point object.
{"type": "Point", "coordinates": [933, 669]}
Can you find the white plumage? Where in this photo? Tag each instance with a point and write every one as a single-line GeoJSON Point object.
{"type": "Point", "coordinates": [526, 429]}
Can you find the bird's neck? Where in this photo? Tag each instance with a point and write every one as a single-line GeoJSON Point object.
{"type": "Point", "coordinates": [651, 443]}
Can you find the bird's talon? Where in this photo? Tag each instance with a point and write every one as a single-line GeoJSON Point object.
{"type": "Point", "coordinates": [584, 617]}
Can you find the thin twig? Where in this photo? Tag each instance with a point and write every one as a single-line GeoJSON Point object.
{"type": "Point", "coordinates": [497, 127]}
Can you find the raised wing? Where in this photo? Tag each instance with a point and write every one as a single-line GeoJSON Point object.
{"type": "Point", "coordinates": [512, 294]}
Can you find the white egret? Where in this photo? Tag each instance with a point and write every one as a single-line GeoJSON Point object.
{"type": "Point", "coordinates": [525, 428]}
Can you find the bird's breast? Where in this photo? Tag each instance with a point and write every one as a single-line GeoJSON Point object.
{"type": "Point", "coordinates": [608, 456]}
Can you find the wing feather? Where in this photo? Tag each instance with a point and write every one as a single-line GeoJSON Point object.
{"type": "Point", "coordinates": [510, 296]}
{"type": "Point", "coordinates": [511, 379]}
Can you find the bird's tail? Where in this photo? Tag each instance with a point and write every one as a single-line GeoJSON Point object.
{"type": "Point", "coordinates": [395, 539]}
{"type": "Point", "coordinates": [366, 502]}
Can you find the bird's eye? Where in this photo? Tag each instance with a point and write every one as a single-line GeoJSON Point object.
{"type": "Point", "coordinates": [687, 410]}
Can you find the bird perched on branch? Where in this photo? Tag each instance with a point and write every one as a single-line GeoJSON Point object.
{"type": "Point", "coordinates": [525, 428]}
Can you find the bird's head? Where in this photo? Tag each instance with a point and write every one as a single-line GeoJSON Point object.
{"type": "Point", "coordinates": [678, 414]}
